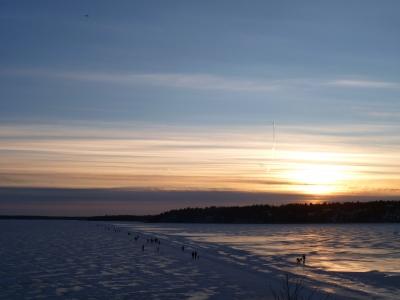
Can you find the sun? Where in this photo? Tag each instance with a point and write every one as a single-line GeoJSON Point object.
{"type": "Point", "coordinates": [317, 173]}
{"type": "Point", "coordinates": [317, 179]}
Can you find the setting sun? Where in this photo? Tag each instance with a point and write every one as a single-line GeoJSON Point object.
{"type": "Point", "coordinates": [314, 173]}
{"type": "Point", "coordinates": [318, 179]}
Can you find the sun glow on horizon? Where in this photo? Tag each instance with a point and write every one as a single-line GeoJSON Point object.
{"type": "Point", "coordinates": [318, 179]}
{"type": "Point", "coordinates": [318, 174]}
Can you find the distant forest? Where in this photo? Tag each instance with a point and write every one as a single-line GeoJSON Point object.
{"type": "Point", "coordinates": [347, 212]}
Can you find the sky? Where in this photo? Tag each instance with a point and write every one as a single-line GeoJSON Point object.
{"type": "Point", "coordinates": [194, 100]}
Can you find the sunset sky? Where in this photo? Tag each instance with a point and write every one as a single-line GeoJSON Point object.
{"type": "Point", "coordinates": [293, 98]}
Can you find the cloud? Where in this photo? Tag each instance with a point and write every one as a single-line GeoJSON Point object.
{"type": "Point", "coordinates": [89, 202]}
{"type": "Point", "coordinates": [353, 83]}
{"type": "Point", "coordinates": [174, 80]}
{"type": "Point", "coordinates": [157, 157]}
{"type": "Point", "coordinates": [200, 81]}
{"type": "Point", "coordinates": [205, 82]}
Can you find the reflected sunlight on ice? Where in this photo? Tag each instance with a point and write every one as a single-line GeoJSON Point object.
{"type": "Point", "coordinates": [359, 256]}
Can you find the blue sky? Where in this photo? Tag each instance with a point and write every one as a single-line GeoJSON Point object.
{"type": "Point", "coordinates": [182, 95]}
{"type": "Point", "coordinates": [236, 61]}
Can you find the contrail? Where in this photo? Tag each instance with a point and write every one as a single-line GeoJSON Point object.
{"type": "Point", "coordinates": [273, 141]}
{"type": "Point", "coordinates": [273, 146]}
{"type": "Point", "coordinates": [273, 136]}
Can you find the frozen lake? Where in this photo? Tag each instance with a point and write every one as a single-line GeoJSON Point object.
{"type": "Point", "coordinates": [361, 257]}
{"type": "Point", "coordinates": [100, 260]}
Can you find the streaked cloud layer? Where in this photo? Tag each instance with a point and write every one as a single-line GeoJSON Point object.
{"type": "Point", "coordinates": [364, 84]}
{"type": "Point", "coordinates": [203, 81]}
{"type": "Point", "coordinates": [314, 161]}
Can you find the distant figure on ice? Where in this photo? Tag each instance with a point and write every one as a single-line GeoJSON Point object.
{"type": "Point", "coordinates": [183, 248]}
{"type": "Point", "coordinates": [301, 259]}
{"type": "Point", "coordinates": [143, 247]}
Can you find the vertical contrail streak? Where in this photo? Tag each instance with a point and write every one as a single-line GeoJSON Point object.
{"type": "Point", "coordinates": [273, 147]}
{"type": "Point", "coordinates": [273, 136]}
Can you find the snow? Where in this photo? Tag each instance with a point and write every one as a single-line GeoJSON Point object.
{"type": "Point", "coordinates": [99, 260]}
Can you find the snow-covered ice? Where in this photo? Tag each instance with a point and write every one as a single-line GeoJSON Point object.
{"type": "Point", "coordinates": [99, 260]}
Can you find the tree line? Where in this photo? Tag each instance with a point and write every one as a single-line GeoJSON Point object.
{"type": "Point", "coordinates": [340, 212]}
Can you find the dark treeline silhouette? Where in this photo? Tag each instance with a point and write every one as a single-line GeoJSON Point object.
{"type": "Point", "coordinates": [353, 212]}
{"type": "Point", "coordinates": [347, 212]}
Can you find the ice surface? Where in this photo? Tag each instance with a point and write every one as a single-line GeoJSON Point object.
{"type": "Point", "coordinates": [96, 260]}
